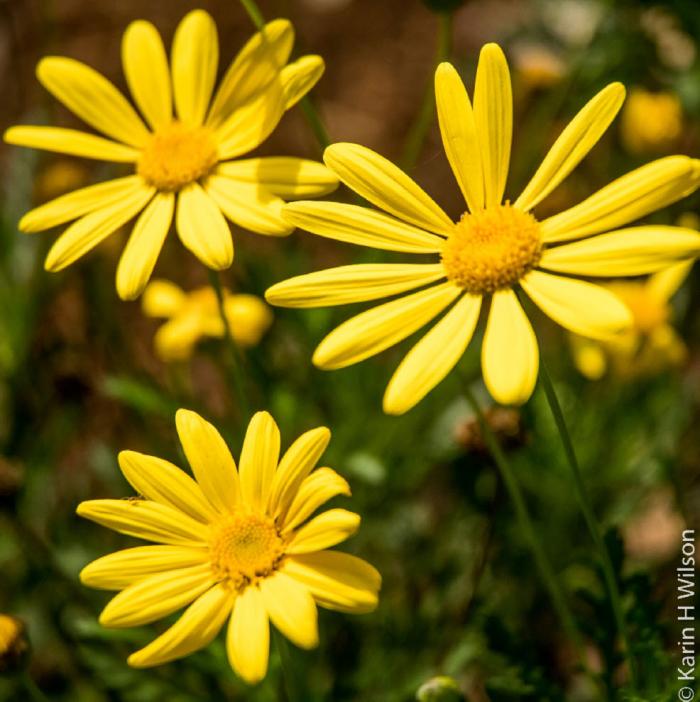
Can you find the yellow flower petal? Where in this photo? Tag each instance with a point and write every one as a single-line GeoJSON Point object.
{"type": "Point", "coordinates": [257, 64]}
{"type": "Point", "coordinates": [379, 328]}
{"type": "Point", "coordinates": [146, 520]}
{"type": "Point", "coordinates": [493, 115]}
{"type": "Point", "coordinates": [202, 228]}
{"type": "Point", "coordinates": [71, 141]}
{"type": "Point", "coordinates": [162, 298]}
{"type": "Point", "coordinates": [195, 59]}
{"type": "Point", "coordinates": [284, 176]}
{"type": "Point", "coordinates": [175, 340]}
{"type": "Point", "coordinates": [316, 489]}
{"type": "Point", "coordinates": [92, 98]}
{"type": "Point", "coordinates": [323, 531]}
{"type": "Point", "coordinates": [84, 234]}
{"type": "Point", "coordinates": [300, 77]}
{"type": "Point", "coordinates": [156, 596]}
{"type": "Point", "coordinates": [141, 252]}
{"type": "Point", "coordinates": [509, 354]}
{"type": "Point", "coordinates": [248, 638]}
{"type": "Point", "coordinates": [337, 580]}
{"type": "Point", "coordinates": [355, 283]}
{"type": "Point", "coordinates": [574, 143]}
{"type": "Point", "coordinates": [583, 308]}
{"type": "Point", "coordinates": [195, 629]}
{"type": "Point", "coordinates": [248, 205]}
{"type": "Point", "coordinates": [147, 73]}
{"type": "Point", "coordinates": [589, 357]}
{"type": "Point", "coordinates": [662, 286]}
{"type": "Point", "coordinates": [360, 225]}
{"type": "Point", "coordinates": [259, 458]}
{"type": "Point", "coordinates": [298, 461]}
{"type": "Point", "coordinates": [123, 568]}
{"type": "Point", "coordinates": [78, 203]}
{"type": "Point", "coordinates": [385, 185]}
{"type": "Point", "coordinates": [626, 252]}
{"type": "Point", "coordinates": [210, 460]}
{"type": "Point", "coordinates": [459, 138]}
{"type": "Point", "coordinates": [630, 197]}
{"type": "Point", "coordinates": [433, 357]}
{"type": "Point", "coordinates": [161, 481]}
{"type": "Point", "coordinates": [291, 609]}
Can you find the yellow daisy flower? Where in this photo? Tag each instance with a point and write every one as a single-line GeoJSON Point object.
{"type": "Point", "coordinates": [651, 122]}
{"type": "Point", "coordinates": [183, 161]}
{"type": "Point", "coordinates": [195, 315]}
{"type": "Point", "coordinates": [232, 544]}
{"type": "Point", "coordinates": [494, 249]}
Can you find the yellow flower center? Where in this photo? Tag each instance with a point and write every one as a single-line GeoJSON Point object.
{"type": "Point", "coordinates": [492, 249]}
{"type": "Point", "coordinates": [245, 548]}
{"type": "Point", "coordinates": [177, 155]}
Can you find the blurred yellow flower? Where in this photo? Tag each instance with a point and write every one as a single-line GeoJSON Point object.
{"type": "Point", "coordinates": [538, 66]}
{"type": "Point", "coordinates": [13, 643]}
{"type": "Point", "coordinates": [195, 315]}
{"type": "Point", "coordinates": [59, 177]}
{"type": "Point", "coordinates": [651, 345]}
{"type": "Point", "coordinates": [492, 251]}
{"type": "Point", "coordinates": [651, 122]}
{"type": "Point", "coordinates": [232, 544]}
{"type": "Point", "coordinates": [183, 159]}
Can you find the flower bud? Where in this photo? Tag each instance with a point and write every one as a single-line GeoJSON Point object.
{"type": "Point", "coordinates": [440, 689]}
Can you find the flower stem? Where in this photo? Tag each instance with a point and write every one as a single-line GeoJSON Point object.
{"type": "Point", "coordinates": [590, 519]}
{"type": "Point", "coordinates": [290, 675]}
{"type": "Point", "coordinates": [250, 6]}
{"type": "Point", "coordinates": [235, 363]}
{"type": "Point", "coordinates": [424, 120]}
{"type": "Point", "coordinates": [546, 571]}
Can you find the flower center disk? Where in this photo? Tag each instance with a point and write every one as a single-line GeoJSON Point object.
{"type": "Point", "coordinates": [492, 249]}
{"type": "Point", "coordinates": [176, 156]}
{"type": "Point", "coordinates": [245, 548]}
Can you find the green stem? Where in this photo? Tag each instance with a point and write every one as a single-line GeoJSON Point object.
{"type": "Point", "coordinates": [254, 13]}
{"type": "Point", "coordinates": [235, 364]}
{"type": "Point", "coordinates": [546, 571]}
{"type": "Point", "coordinates": [590, 519]}
{"type": "Point", "coordinates": [424, 120]}
{"type": "Point", "coordinates": [291, 678]}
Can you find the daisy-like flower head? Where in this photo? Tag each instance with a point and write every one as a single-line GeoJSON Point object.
{"type": "Point", "coordinates": [195, 315]}
{"type": "Point", "coordinates": [183, 161]}
{"type": "Point", "coordinates": [494, 249]}
{"type": "Point", "coordinates": [234, 544]}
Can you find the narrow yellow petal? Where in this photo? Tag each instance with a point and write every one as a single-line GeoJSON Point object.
{"type": "Point", "coordinates": [195, 59]}
{"type": "Point", "coordinates": [323, 531]}
{"type": "Point", "coordinates": [589, 357]}
{"type": "Point", "coordinates": [72, 142]}
{"type": "Point", "coordinates": [574, 143]}
{"type": "Point", "coordinates": [493, 115]}
{"type": "Point", "coordinates": [379, 328]}
{"type": "Point", "coordinates": [360, 225]}
{"type": "Point", "coordinates": [355, 283]}
{"type": "Point", "coordinates": [634, 195]}
{"type": "Point", "coordinates": [174, 341]}
{"type": "Point", "coordinates": [210, 460]}
{"type": "Point", "coordinates": [87, 232]}
{"type": "Point", "coordinates": [509, 354]}
{"type": "Point", "coordinates": [147, 73]}
{"type": "Point", "coordinates": [248, 638]}
{"type": "Point", "coordinates": [259, 458]}
{"type": "Point", "coordinates": [626, 252]}
{"type": "Point", "coordinates": [248, 205]}
{"type": "Point", "coordinates": [385, 185]}
{"type": "Point", "coordinates": [291, 609]}
{"type": "Point", "coordinates": [195, 629]}
{"type": "Point", "coordinates": [162, 298]}
{"type": "Point", "coordinates": [459, 137]}
{"type": "Point", "coordinates": [202, 228]}
{"type": "Point", "coordinates": [299, 78]}
{"type": "Point", "coordinates": [337, 580]}
{"type": "Point", "coordinates": [583, 308]}
{"type": "Point", "coordinates": [92, 98]}
{"type": "Point", "coordinates": [664, 284]}
{"type": "Point", "coordinates": [156, 596]}
{"type": "Point", "coordinates": [284, 176]}
{"type": "Point", "coordinates": [143, 248]}
{"type": "Point", "coordinates": [123, 568]}
{"type": "Point", "coordinates": [433, 357]}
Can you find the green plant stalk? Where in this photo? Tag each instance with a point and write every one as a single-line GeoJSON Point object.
{"type": "Point", "coordinates": [308, 108]}
{"type": "Point", "coordinates": [544, 567]}
{"type": "Point", "coordinates": [290, 676]}
{"type": "Point", "coordinates": [235, 364]}
{"type": "Point", "coordinates": [590, 519]}
{"type": "Point", "coordinates": [424, 120]}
